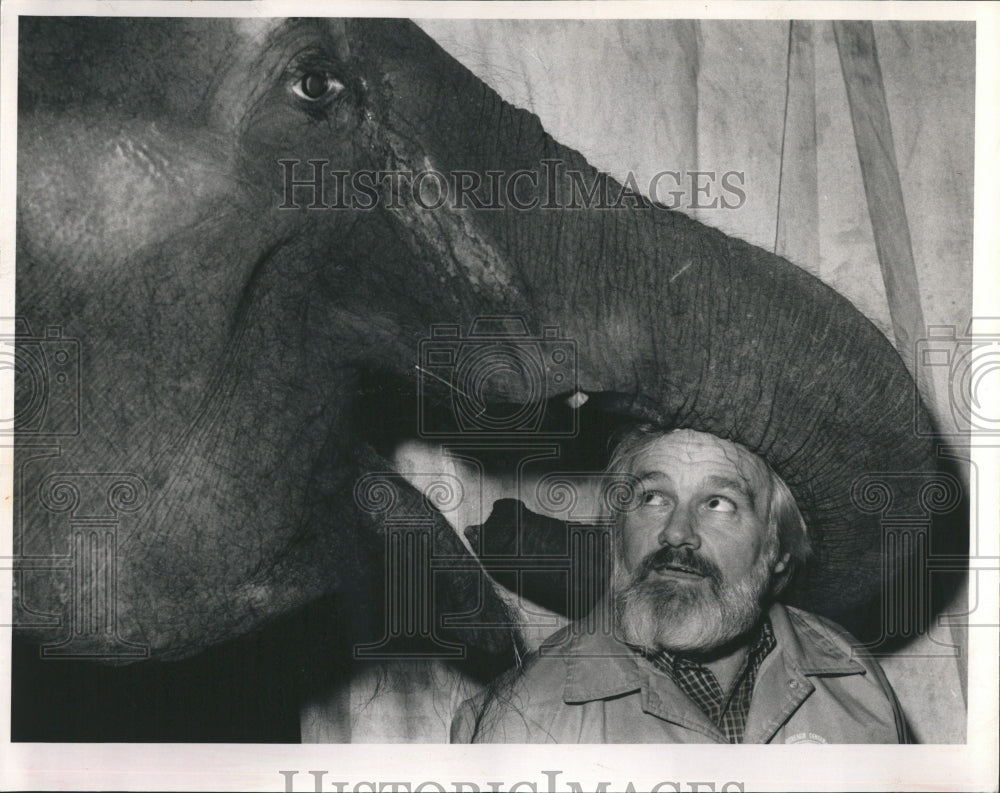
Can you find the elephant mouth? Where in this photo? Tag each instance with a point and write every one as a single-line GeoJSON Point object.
{"type": "Point", "coordinates": [393, 409]}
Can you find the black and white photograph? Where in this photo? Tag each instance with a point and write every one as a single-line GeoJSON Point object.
{"type": "Point", "coordinates": [549, 396]}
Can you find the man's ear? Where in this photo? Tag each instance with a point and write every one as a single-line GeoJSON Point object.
{"type": "Point", "coordinates": [782, 564]}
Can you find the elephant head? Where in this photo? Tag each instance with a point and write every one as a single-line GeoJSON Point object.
{"type": "Point", "coordinates": [226, 215]}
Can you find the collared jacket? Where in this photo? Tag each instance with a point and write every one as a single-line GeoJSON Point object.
{"type": "Point", "coordinates": [584, 687]}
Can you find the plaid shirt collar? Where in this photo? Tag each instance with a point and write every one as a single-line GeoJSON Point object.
{"type": "Point", "coordinates": [727, 711]}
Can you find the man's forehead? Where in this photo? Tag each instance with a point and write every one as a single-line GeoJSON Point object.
{"type": "Point", "coordinates": [683, 453]}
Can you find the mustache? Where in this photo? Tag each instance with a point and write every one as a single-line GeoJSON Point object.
{"type": "Point", "coordinates": [668, 556]}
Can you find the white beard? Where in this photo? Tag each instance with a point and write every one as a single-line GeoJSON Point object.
{"type": "Point", "coordinates": [685, 617]}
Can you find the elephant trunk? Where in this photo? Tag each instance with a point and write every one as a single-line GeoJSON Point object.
{"type": "Point", "coordinates": [673, 322]}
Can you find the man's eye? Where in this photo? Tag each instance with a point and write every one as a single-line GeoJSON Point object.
{"type": "Point", "coordinates": [314, 86]}
{"type": "Point", "coordinates": [651, 498]}
{"type": "Point", "coordinates": [720, 504]}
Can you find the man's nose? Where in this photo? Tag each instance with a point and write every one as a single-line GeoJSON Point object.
{"type": "Point", "coordinates": [680, 530]}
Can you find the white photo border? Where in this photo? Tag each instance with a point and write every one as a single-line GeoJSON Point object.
{"type": "Point", "coordinates": [972, 766]}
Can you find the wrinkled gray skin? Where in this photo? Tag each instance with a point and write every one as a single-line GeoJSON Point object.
{"type": "Point", "coordinates": [223, 340]}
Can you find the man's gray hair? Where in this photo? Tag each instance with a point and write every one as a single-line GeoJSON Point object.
{"type": "Point", "coordinates": [785, 522]}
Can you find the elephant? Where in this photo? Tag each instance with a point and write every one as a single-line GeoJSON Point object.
{"type": "Point", "coordinates": [206, 224]}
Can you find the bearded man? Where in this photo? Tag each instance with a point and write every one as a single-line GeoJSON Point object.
{"type": "Point", "coordinates": [698, 649]}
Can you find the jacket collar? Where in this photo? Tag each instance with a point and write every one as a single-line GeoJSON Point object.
{"type": "Point", "coordinates": [819, 655]}
{"type": "Point", "coordinates": [599, 666]}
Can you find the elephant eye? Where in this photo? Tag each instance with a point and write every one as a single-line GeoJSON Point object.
{"type": "Point", "coordinates": [316, 85]}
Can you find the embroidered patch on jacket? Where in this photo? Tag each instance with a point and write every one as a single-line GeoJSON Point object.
{"type": "Point", "coordinates": [806, 737]}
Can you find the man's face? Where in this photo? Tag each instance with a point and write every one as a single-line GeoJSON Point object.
{"type": "Point", "coordinates": [694, 558]}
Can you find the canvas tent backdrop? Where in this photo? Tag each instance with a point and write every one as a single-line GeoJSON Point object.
{"type": "Point", "coordinates": [854, 142]}
{"type": "Point", "coordinates": [766, 99]}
